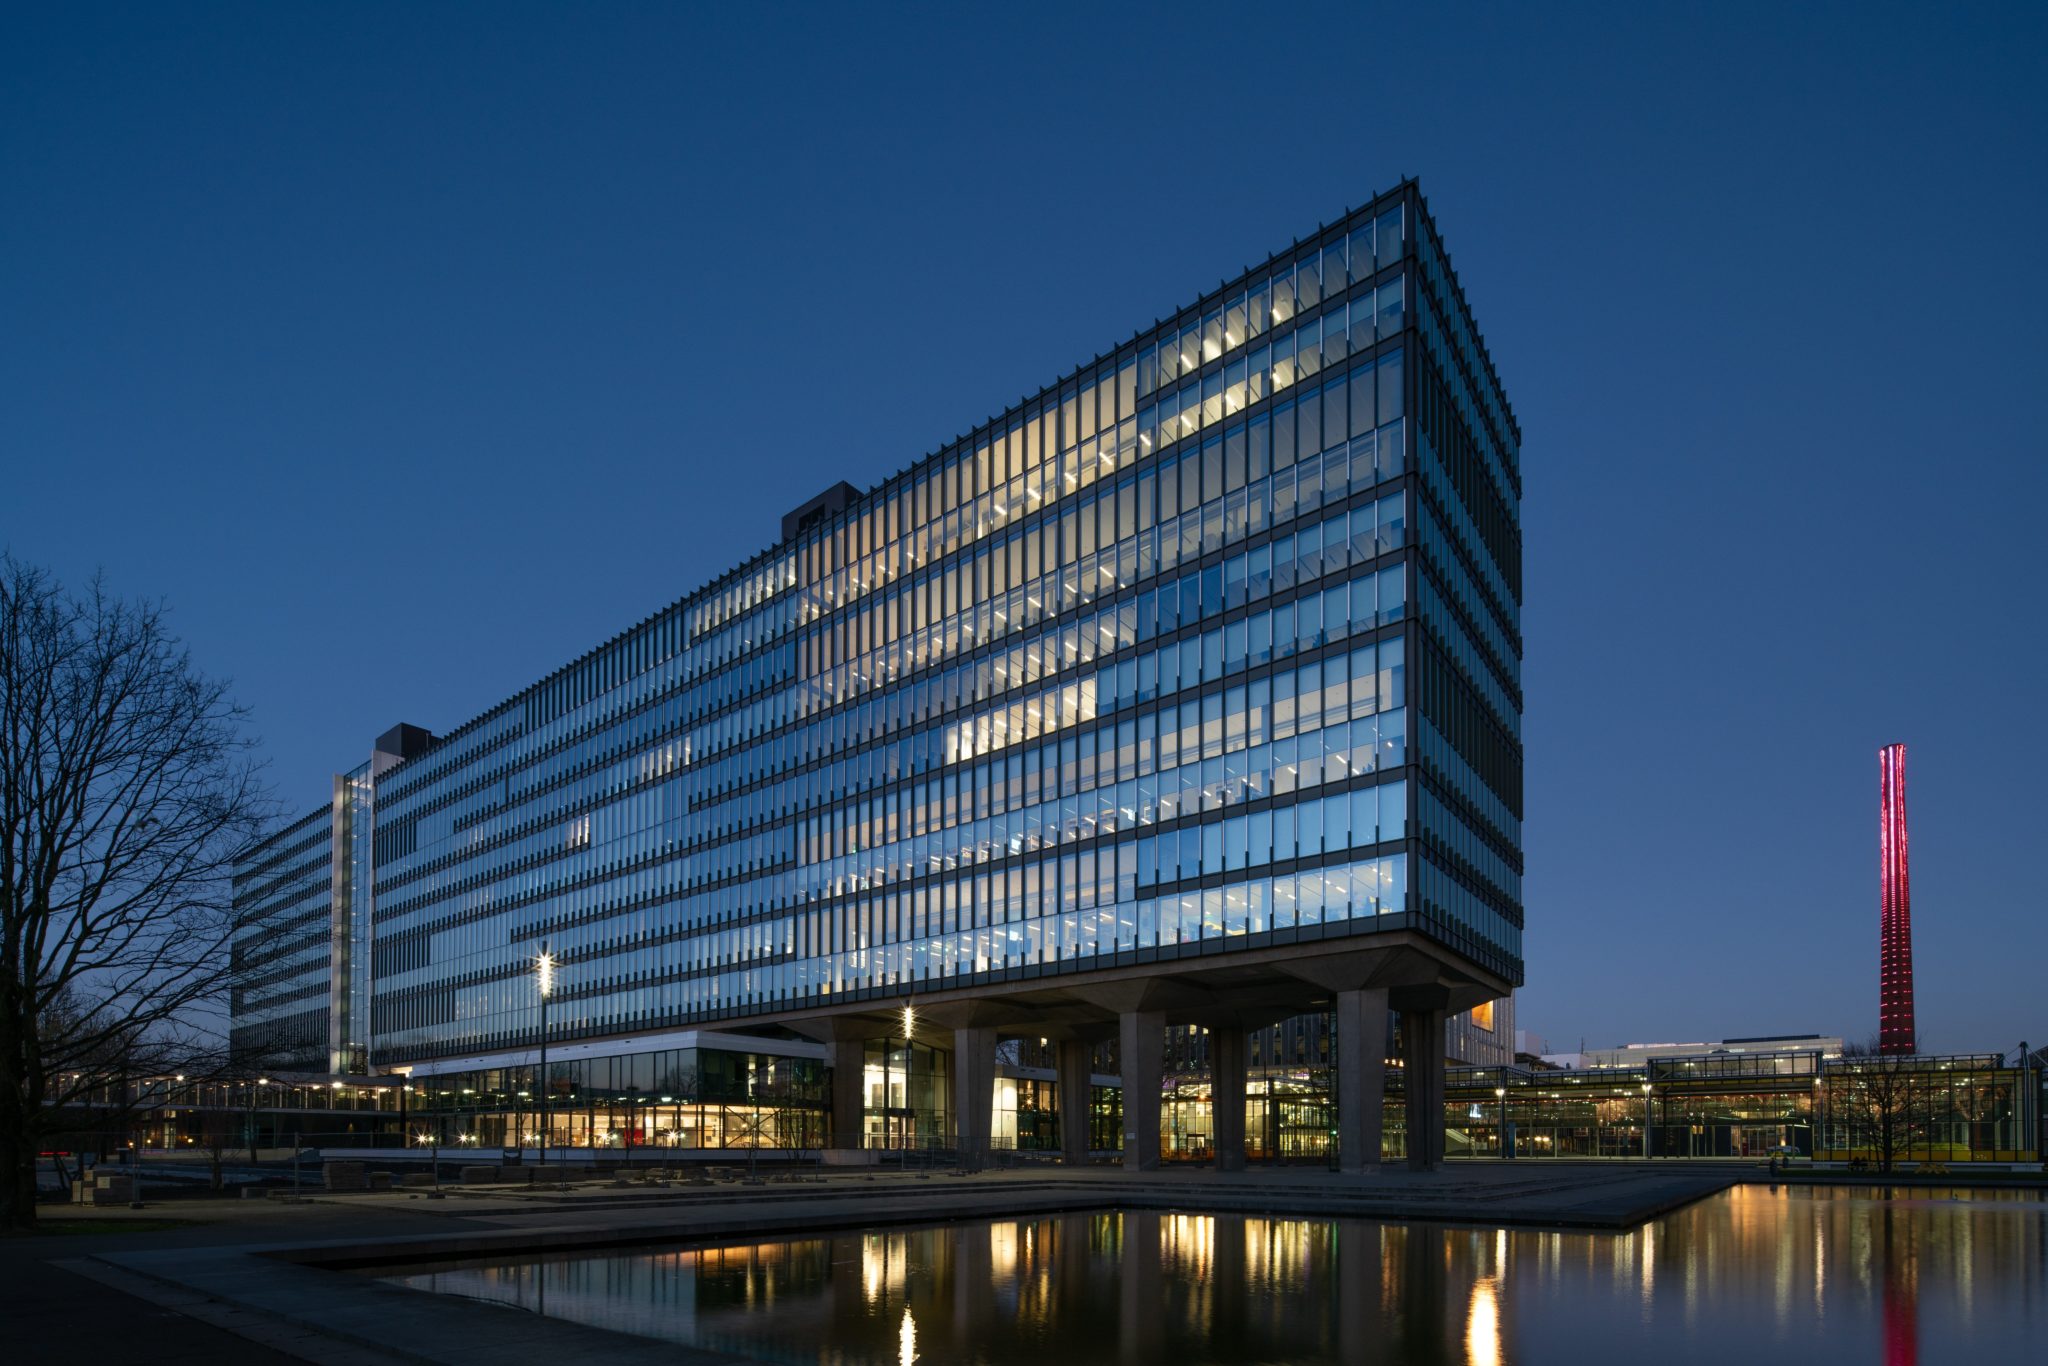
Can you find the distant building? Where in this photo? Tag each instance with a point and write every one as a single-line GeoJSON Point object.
{"type": "Point", "coordinates": [1636, 1055]}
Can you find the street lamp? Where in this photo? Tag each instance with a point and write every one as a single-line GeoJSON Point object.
{"type": "Point", "coordinates": [544, 978]}
{"type": "Point", "coordinates": [1501, 1094]}
{"type": "Point", "coordinates": [255, 1112]}
{"type": "Point", "coordinates": [431, 1138]}
{"type": "Point", "coordinates": [1646, 1119]}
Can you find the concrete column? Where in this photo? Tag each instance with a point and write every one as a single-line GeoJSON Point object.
{"type": "Point", "coordinates": [848, 1059]}
{"type": "Point", "coordinates": [974, 1092]}
{"type": "Point", "coordinates": [1422, 1077]}
{"type": "Point", "coordinates": [1361, 1077]}
{"type": "Point", "coordinates": [1142, 1045]}
{"type": "Point", "coordinates": [1228, 1045]}
{"type": "Point", "coordinates": [1076, 1064]}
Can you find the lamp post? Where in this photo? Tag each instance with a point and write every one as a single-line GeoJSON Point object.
{"type": "Point", "coordinates": [544, 978]}
{"type": "Point", "coordinates": [430, 1138]}
{"type": "Point", "coordinates": [255, 1111]}
{"type": "Point", "coordinates": [1646, 1119]}
{"type": "Point", "coordinates": [1501, 1094]}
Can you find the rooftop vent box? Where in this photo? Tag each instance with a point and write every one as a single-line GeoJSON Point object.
{"type": "Point", "coordinates": [403, 741]}
{"type": "Point", "coordinates": [830, 503]}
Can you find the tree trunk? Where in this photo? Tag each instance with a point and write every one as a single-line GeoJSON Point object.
{"type": "Point", "coordinates": [17, 1144]}
{"type": "Point", "coordinates": [20, 1134]}
{"type": "Point", "coordinates": [18, 1149]}
{"type": "Point", "coordinates": [20, 1213]}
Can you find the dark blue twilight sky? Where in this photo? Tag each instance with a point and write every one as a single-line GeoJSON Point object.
{"type": "Point", "coordinates": [411, 351]}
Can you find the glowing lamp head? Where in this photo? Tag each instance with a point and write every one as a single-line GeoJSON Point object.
{"type": "Point", "coordinates": [909, 1021]}
{"type": "Point", "coordinates": [544, 971]}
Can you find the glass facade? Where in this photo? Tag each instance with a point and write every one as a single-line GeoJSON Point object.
{"type": "Point", "coordinates": [1211, 646]}
{"type": "Point", "coordinates": [1924, 1109]}
{"type": "Point", "coordinates": [1919, 1110]}
{"type": "Point", "coordinates": [905, 1097]}
{"type": "Point", "coordinates": [355, 796]}
{"type": "Point", "coordinates": [689, 1098]}
{"type": "Point", "coordinates": [284, 895]}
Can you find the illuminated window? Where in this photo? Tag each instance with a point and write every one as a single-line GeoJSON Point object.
{"type": "Point", "coordinates": [1482, 1017]}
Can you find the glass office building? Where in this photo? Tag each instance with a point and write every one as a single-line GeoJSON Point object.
{"type": "Point", "coordinates": [1207, 653]}
{"type": "Point", "coordinates": [284, 958]}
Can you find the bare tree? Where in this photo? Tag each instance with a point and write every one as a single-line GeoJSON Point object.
{"type": "Point", "coordinates": [1878, 1098]}
{"type": "Point", "coordinates": [126, 791]}
{"type": "Point", "coordinates": [216, 1134]}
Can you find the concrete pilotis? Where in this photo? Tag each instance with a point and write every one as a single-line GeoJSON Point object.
{"type": "Point", "coordinates": [1422, 1080]}
{"type": "Point", "coordinates": [1142, 1046]}
{"type": "Point", "coordinates": [1361, 1077]}
{"type": "Point", "coordinates": [1227, 1048]}
{"type": "Point", "coordinates": [974, 1092]}
{"type": "Point", "coordinates": [1076, 1061]}
{"type": "Point", "coordinates": [848, 1060]}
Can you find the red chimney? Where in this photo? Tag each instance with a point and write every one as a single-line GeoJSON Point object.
{"type": "Point", "coordinates": [1895, 1031]}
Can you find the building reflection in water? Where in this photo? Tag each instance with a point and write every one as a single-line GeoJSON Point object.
{"type": "Point", "coordinates": [1901, 1293]}
{"type": "Point", "coordinates": [1760, 1275]}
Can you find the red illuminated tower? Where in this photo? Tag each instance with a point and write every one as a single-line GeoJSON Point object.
{"type": "Point", "coordinates": [1895, 1032]}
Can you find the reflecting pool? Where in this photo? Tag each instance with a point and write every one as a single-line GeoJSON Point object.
{"type": "Point", "coordinates": [1806, 1275]}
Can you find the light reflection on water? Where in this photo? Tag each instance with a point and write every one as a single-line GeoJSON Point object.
{"type": "Point", "coordinates": [1756, 1275]}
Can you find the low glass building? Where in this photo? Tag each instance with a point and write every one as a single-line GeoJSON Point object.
{"type": "Point", "coordinates": [1949, 1108]}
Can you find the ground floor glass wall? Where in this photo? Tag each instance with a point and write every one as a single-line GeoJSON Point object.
{"type": "Point", "coordinates": [1289, 1115]}
{"type": "Point", "coordinates": [906, 1095]}
{"type": "Point", "coordinates": [671, 1099]}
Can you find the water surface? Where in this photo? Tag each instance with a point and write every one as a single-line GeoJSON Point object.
{"type": "Point", "coordinates": [1807, 1275]}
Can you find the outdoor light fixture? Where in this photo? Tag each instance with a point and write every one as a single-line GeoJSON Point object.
{"type": "Point", "coordinates": [544, 978]}
{"type": "Point", "coordinates": [909, 1021]}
